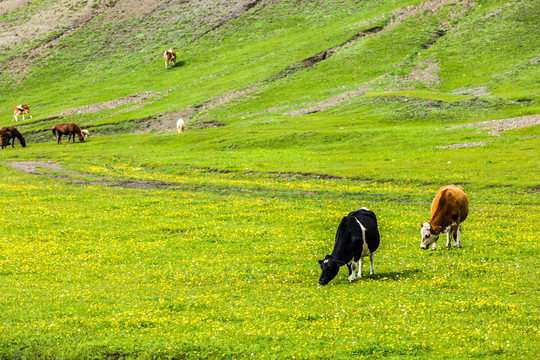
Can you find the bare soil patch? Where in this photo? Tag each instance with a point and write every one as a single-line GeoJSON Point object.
{"type": "Point", "coordinates": [426, 73]}
{"type": "Point", "coordinates": [129, 99]}
{"type": "Point", "coordinates": [465, 145]}
{"type": "Point", "coordinates": [478, 91]}
{"type": "Point", "coordinates": [329, 103]}
{"type": "Point", "coordinates": [498, 126]}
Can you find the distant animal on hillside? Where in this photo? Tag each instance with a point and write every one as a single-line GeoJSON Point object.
{"type": "Point", "coordinates": [449, 210]}
{"type": "Point", "coordinates": [357, 236]}
{"type": "Point", "coordinates": [70, 129]}
{"type": "Point", "coordinates": [170, 57]}
{"type": "Point", "coordinates": [21, 109]}
{"type": "Point", "coordinates": [85, 133]}
{"type": "Point", "coordinates": [10, 133]}
{"type": "Point", "coordinates": [180, 125]}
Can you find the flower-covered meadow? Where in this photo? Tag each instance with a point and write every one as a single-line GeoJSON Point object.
{"type": "Point", "coordinates": [142, 243]}
{"type": "Point", "coordinates": [225, 266]}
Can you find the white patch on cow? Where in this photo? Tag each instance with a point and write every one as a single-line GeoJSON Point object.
{"type": "Point", "coordinates": [364, 208]}
{"type": "Point", "coordinates": [365, 248]}
{"type": "Point", "coordinates": [365, 251]}
{"type": "Point", "coordinates": [325, 261]}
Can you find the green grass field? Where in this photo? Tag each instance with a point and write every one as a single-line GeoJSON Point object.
{"type": "Point", "coordinates": [145, 244]}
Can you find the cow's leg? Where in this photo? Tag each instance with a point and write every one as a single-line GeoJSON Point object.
{"type": "Point", "coordinates": [371, 268]}
{"type": "Point", "coordinates": [434, 247]}
{"type": "Point", "coordinates": [354, 266]}
{"type": "Point", "coordinates": [361, 265]}
{"type": "Point", "coordinates": [457, 236]}
{"type": "Point", "coordinates": [449, 234]}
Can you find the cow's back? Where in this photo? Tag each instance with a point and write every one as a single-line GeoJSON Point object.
{"type": "Point", "coordinates": [452, 201]}
{"type": "Point", "coordinates": [369, 221]}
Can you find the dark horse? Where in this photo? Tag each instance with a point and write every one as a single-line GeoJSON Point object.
{"type": "Point", "coordinates": [10, 133]}
{"type": "Point", "coordinates": [70, 129]}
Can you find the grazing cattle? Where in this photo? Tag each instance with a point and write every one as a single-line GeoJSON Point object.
{"type": "Point", "coordinates": [357, 236]}
{"type": "Point", "coordinates": [170, 57]}
{"type": "Point", "coordinates": [180, 125]}
{"type": "Point", "coordinates": [85, 133]}
{"type": "Point", "coordinates": [10, 133]}
{"type": "Point", "coordinates": [448, 211]}
{"type": "Point", "coordinates": [21, 109]}
{"type": "Point", "coordinates": [70, 129]}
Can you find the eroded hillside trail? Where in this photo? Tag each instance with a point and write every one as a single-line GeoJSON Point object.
{"type": "Point", "coordinates": [210, 16]}
{"type": "Point", "coordinates": [207, 17]}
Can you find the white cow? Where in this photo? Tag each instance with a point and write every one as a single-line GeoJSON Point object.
{"type": "Point", "coordinates": [180, 125]}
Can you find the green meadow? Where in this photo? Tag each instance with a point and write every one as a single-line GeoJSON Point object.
{"type": "Point", "coordinates": [143, 243]}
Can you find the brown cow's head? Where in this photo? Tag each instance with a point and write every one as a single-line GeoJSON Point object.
{"type": "Point", "coordinates": [429, 235]}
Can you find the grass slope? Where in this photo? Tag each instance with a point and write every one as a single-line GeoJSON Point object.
{"type": "Point", "coordinates": [204, 245]}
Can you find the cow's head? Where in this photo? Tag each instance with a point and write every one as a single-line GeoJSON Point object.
{"type": "Point", "coordinates": [330, 268]}
{"type": "Point", "coordinates": [429, 235]}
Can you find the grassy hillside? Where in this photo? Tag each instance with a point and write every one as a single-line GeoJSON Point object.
{"type": "Point", "coordinates": [145, 243]}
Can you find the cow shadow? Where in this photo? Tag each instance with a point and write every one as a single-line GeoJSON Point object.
{"type": "Point", "coordinates": [394, 275]}
{"type": "Point", "coordinates": [178, 64]}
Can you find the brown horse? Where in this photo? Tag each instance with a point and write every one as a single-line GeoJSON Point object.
{"type": "Point", "coordinates": [70, 129]}
{"type": "Point", "coordinates": [10, 133]}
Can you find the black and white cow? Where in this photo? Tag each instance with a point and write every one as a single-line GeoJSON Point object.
{"type": "Point", "coordinates": [357, 236]}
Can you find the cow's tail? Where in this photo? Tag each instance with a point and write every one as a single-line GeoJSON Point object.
{"type": "Point", "coordinates": [54, 130]}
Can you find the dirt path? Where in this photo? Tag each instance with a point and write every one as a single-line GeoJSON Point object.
{"type": "Point", "coordinates": [129, 99]}
{"type": "Point", "coordinates": [37, 167]}
{"type": "Point", "coordinates": [498, 126]}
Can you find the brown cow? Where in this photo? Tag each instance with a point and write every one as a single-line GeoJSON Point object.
{"type": "Point", "coordinates": [21, 109]}
{"type": "Point", "coordinates": [170, 57]}
{"type": "Point", "coordinates": [448, 211]}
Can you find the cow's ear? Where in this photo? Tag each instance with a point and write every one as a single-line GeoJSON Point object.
{"type": "Point", "coordinates": [421, 225]}
{"type": "Point", "coordinates": [320, 262]}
